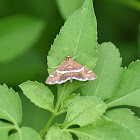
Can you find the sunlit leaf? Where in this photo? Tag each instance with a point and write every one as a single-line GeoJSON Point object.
{"type": "Point", "coordinates": [128, 92]}
{"type": "Point", "coordinates": [25, 133]}
{"type": "Point", "coordinates": [108, 72]}
{"type": "Point", "coordinates": [55, 133]}
{"type": "Point", "coordinates": [39, 94]}
{"type": "Point", "coordinates": [84, 111]}
{"type": "Point", "coordinates": [10, 105]}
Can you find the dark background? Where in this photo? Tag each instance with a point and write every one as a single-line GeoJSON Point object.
{"type": "Point", "coordinates": [118, 22]}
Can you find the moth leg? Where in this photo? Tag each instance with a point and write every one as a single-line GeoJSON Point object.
{"type": "Point", "coordinates": [71, 80]}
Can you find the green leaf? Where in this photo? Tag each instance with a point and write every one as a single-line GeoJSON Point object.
{"type": "Point", "coordinates": [103, 129]}
{"type": "Point", "coordinates": [108, 72]}
{"type": "Point", "coordinates": [128, 92]}
{"type": "Point", "coordinates": [25, 133]}
{"type": "Point", "coordinates": [10, 105]}
{"type": "Point", "coordinates": [55, 133]}
{"type": "Point", "coordinates": [69, 100]}
{"type": "Point", "coordinates": [18, 33]}
{"type": "Point", "coordinates": [79, 31]}
{"type": "Point", "coordinates": [39, 94]}
{"type": "Point", "coordinates": [67, 7]}
{"type": "Point", "coordinates": [4, 130]}
{"type": "Point", "coordinates": [132, 123]}
{"type": "Point", "coordinates": [84, 111]}
{"type": "Point", "coordinates": [77, 37]}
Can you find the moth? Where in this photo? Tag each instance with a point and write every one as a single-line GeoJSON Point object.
{"type": "Point", "coordinates": [70, 70]}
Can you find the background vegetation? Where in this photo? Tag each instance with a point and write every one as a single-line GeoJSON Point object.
{"type": "Point", "coordinates": [28, 28]}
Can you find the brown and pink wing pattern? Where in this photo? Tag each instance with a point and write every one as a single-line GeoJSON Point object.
{"type": "Point", "coordinates": [56, 77]}
{"type": "Point", "coordinates": [68, 70]}
{"type": "Point", "coordinates": [83, 74]}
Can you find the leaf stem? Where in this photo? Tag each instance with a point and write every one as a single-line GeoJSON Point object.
{"type": "Point", "coordinates": [58, 103]}
{"type": "Point", "coordinates": [44, 130]}
{"type": "Point", "coordinates": [54, 114]}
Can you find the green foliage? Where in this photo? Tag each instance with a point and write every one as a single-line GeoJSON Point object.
{"type": "Point", "coordinates": [113, 125]}
{"type": "Point", "coordinates": [79, 31]}
{"type": "Point", "coordinates": [39, 94]}
{"type": "Point", "coordinates": [77, 37]}
{"type": "Point", "coordinates": [57, 134]}
{"type": "Point", "coordinates": [25, 133]}
{"type": "Point", "coordinates": [86, 107]}
{"type": "Point", "coordinates": [128, 91]}
{"type": "Point", "coordinates": [11, 111]}
{"type": "Point", "coordinates": [87, 116]}
{"type": "Point", "coordinates": [20, 32]}
{"type": "Point", "coordinates": [125, 118]}
{"type": "Point", "coordinates": [68, 7]}
{"type": "Point", "coordinates": [69, 100]}
{"type": "Point", "coordinates": [10, 105]}
{"type": "Point", "coordinates": [108, 71]}
{"type": "Point", "coordinates": [4, 129]}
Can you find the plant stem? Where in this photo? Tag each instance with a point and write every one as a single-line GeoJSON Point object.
{"type": "Point", "coordinates": [58, 103]}
{"type": "Point", "coordinates": [44, 130]}
{"type": "Point", "coordinates": [57, 106]}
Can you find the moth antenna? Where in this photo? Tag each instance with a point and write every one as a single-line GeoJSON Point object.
{"type": "Point", "coordinates": [75, 56]}
{"type": "Point", "coordinates": [54, 67]}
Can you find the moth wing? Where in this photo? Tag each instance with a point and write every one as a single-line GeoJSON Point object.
{"type": "Point", "coordinates": [52, 78]}
{"type": "Point", "coordinates": [58, 78]}
{"type": "Point", "coordinates": [88, 74]}
{"type": "Point", "coordinates": [63, 78]}
{"type": "Point", "coordinates": [83, 74]}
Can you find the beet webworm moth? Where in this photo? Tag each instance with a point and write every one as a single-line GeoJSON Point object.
{"type": "Point", "coordinates": [70, 70]}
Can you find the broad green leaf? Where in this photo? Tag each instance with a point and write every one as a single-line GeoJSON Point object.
{"type": "Point", "coordinates": [10, 105]}
{"type": "Point", "coordinates": [128, 92]}
{"type": "Point", "coordinates": [103, 129]}
{"type": "Point", "coordinates": [17, 34]}
{"type": "Point", "coordinates": [84, 111]}
{"type": "Point", "coordinates": [4, 130]}
{"type": "Point", "coordinates": [39, 94]}
{"type": "Point", "coordinates": [67, 7]}
{"type": "Point", "coordinates": [78, 36]}
{"type": "Point", "coordinates": [69, 100]}
{"type": "Point", "coordinates": [125, 118]}
{"type": "Point", "coordinates": [25, 133]}
{"type": "Point", "coordinates": [108, 72]}
{"type": "Point", "coordinates": [55, 133]}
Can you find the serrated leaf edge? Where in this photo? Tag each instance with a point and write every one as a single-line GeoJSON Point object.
{"type": "Point", "coordinates": [50, 109]}
{"type": "Point", "coordinates": [123, 125]}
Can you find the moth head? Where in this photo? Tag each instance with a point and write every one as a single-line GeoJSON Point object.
{"type": "Point", "coordinates": [68, 57]}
